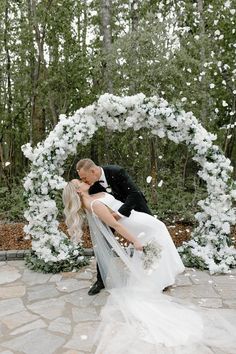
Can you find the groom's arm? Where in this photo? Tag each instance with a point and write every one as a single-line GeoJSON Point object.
{"type": "Point", "coordinates": [133, 195]}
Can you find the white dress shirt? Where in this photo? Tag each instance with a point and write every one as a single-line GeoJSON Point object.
{"type": "Point", "coordinates": [105, 185]}
{"type": "Point", "coordinates": [103, 178]}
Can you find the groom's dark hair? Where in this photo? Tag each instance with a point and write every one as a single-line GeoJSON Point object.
{"type": "Point", "coordinates": [85, 164]}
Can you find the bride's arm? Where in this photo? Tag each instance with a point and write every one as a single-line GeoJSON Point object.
{"type": "Point", "coordinates": [104, 214]}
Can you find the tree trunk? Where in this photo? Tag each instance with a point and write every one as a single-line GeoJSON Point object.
{"type": "Point", "coordinates": [8, 131]}
{"type": "Point", "coordinates": [39, 74]}
{"type": "Point", "coordinates": [134, 15]}
{"type": "Point", "coordinates": [37, 128]}
{"type": "Point", "coordinates": [105, 30]}
{"type": "Point", "coordinates": [203, 114]}
{"type": "Point", "coordinates": [185, 168]}
{"type": "Point", "coordinates": [134, 18]}
{"type": "Point", "coordinates": [84, 32]}
{"type": "Point", "coordinates": [3, 171]}
{"type": "Point", "coordinates": [229, 143]}
{"type": "Point", "coordinates": [8, 62]}
{"type": "Point", "coordinates": [153, 160]}
{"type": "Point", "coordinates": [134, 21]}
{"type": "Point", "coordinates": [106, 34]}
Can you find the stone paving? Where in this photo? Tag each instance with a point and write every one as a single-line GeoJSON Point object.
{"type": "Point", "coordinates": [46, 313]}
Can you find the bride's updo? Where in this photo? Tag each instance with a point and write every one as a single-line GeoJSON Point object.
{"type": "Point", "coordinates": [73, 212]}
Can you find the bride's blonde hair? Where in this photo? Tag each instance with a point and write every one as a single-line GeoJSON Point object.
{"type": "Point", "coordinates": [73, 212]}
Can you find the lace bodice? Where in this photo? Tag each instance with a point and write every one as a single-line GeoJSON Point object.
{"type": "Point", "coordinates": [110, 201]}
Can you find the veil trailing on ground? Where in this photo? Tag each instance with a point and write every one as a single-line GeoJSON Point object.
{"type": "Point", "coordinates": [139, 318]}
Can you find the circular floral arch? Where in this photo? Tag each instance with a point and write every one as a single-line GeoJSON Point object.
{"type": "Point", "coordinates": [209, 246]}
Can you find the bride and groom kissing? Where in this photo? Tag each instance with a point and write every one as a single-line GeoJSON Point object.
{"type": "Point", "coordinates": [129, 215]}
{"type": "Point", "coordinates": [137, 316]}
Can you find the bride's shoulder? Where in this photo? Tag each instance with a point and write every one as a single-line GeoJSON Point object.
{"type": "Point", "coordinates": [95, 198]}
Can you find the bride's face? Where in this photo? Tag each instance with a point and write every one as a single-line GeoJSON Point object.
{"type": "Point", "coordinates": [81, 186]}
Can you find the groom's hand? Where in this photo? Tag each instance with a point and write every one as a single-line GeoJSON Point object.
{"type": "Point", "coordinates": [116, 216]}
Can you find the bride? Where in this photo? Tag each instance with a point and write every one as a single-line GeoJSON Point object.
{"type": "Point", "coordinates": [138, 228]}
{"type": "Point", "coordinates": [137, 316]}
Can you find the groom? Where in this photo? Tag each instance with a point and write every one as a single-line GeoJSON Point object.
{"type": "Point", "coordinates": [116, 181]}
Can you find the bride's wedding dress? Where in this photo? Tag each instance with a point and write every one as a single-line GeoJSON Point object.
{"type": "Point", "coordinates": [137, 317]}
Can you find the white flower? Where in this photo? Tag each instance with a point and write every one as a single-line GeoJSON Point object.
{"type": "Point", "coordinates": [28, 151]}
{"type": "Point", "coordinates": [148, 179]}
{"type": "Point", "coordinates": [233, 194]}
{"type": "Point", "coordinates": [160, 183]}
{"type": "Point", "coordinates": [161, 133]}
{"type": "Point", "coordinates": [28, 184]}
{"type": "Point", "coordinates": [212, 86]}
{"type": "Point", "coordinates": [7, 163]}
{"type": "Point", "coordinates": [224, 104]}
{"type": "Point", "coordinates": [83, 336]}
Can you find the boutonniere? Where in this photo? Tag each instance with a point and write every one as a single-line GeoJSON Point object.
{"type": "Point", "coordinates": [108, 189]}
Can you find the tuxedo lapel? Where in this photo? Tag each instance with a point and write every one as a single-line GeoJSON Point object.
{"type": "Point", "coordinates": [112, 181]}
{"type": "Point", "coordinates": [109, 177]}
{"type": "Point", "coordinates": [96, 188]}
{"type": "Point", "coordinates": [107, 174]}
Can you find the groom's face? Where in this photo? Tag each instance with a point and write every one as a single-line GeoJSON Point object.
{"type": "Point", "coordinates": [88, 176]}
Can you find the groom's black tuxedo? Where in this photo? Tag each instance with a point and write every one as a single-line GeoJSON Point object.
{"type": "Point", "coordinates": [122, 188]}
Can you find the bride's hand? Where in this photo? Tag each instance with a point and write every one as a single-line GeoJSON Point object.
{"type": "Point", "coordinates": [138, 246]}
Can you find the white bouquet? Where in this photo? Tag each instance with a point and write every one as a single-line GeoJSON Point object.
{"type": "Point", "coordinates": [151, 255]}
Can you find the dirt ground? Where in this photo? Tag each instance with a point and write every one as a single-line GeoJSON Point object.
{"type": "Point", "coordinates": [12, 235]}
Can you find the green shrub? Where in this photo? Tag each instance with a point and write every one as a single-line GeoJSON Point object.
{"type": "Point", "coordinates": [12, 204]}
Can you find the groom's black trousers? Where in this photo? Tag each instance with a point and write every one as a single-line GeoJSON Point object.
{"type": "Point", "coordinates": [99, 277]}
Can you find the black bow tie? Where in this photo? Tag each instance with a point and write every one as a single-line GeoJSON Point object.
{"type": "Point", "coordinates": [101, 181]}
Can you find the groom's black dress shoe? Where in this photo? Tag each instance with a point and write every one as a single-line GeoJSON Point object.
{"type": "Point", "coordinates": [96, 288]}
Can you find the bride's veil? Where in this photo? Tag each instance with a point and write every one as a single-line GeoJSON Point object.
{"type": "Point", "coordinates": [115, 265]}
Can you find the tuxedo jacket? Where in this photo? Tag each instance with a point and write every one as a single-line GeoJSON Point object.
{"type": "Point", "coordinates": [122, 188]}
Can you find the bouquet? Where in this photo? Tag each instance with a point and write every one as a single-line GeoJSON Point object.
{"type": "Point", "coordinates": [151, 255]}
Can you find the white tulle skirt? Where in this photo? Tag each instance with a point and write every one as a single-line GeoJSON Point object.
{"type": "Point", "coordinates": [138, 322]}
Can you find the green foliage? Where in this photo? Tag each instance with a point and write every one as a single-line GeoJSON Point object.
{"type": "Point", "coordinates": [12, 204]}
{"type": "Point", "coordinates": [191, 260]}
{"type": "Point", "coordinates": [177, 204]}
{"type": "Point", "coordinates": [39, 265]}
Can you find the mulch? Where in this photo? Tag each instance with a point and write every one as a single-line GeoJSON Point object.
{"type": "Point", "coordinates": [12, 235]}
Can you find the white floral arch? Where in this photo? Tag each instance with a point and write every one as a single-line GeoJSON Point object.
{"type": "Point", "coordinates": [208, 247]}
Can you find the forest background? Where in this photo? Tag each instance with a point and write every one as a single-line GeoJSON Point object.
{"type": "Point", "coordinates": [59, 55]}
